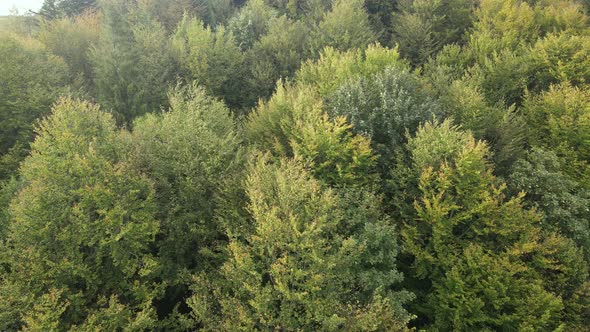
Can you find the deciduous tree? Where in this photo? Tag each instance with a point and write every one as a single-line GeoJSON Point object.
{"type": "Point", "coordinates": [81, 229]}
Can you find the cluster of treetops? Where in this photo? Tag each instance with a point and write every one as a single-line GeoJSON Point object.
{"type": "Point", "coordinates": [296, 165]}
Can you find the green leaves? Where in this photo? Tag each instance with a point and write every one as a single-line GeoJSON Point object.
{"type": "Point", "coordinates": [33, 79]}
{"type": "Point", "coordinates": [384, 106]}
{"type": "Point", "coordinates": [315, 259]}
{"type": "Point", "coordinates": [53, 9]}
{"type": "Point", "coordinates": [84, 221]}
{"type": "Point", "coordinates": [293, 124]}
{"type": "Point", "coordinates": [180, 208]}
{"type": "Point", "coordinates": [421, 28]}
{"type": "Point", "coordinates": [187, 152]}
{"type": "Point", "coordinates": [132, 64]}
{"type": "Point", "coordinates": [345, 27]}
{"type": "Point", "coordinates": [480, 250]}
{"type": "Point", "coordinates": [212, 58]}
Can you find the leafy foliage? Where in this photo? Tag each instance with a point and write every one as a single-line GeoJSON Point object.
{"type": "Point", "coordinates": [560, 198]}
{"type": "Point", "coordinates": [558, 120]}
{"type": "Point", "coordinates": [71, 39]}
{"type": "Point", "coordinates": [299, 269]}
{"type": "Point", "coordinates": [81, 229]}
{"type": "Point", "coordinates": [131, 62]}
{"type": "Point", "coordinates": [345, 27]}
{"type": "Point", "coordinates": [33, 78]}
{"type": "Point", "coordinates": [293, 124]}
{"type": "Point", "coordinates": [422, 27]}
{"type": "Point", "coordinates": [278, 54]}
{"type": "Point", "coordinates": [251, 23]}
{"type": "Point", "coordinates": [211, 57]}
{"type": "Point", "coordinates": [474, 246]}
{"type": "Point", "coordinates": [297, 165]}
{"type": "Point", "coordinates": [53, 9]}
{"type": "Point", "coordinates": [334, 68]}
{"type": "Point", "coordinates": [183, 151]}
{"type": "Point", "coordinates": [384, 106]}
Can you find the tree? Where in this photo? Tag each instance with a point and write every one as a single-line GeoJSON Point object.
{"type": "Point", "coordinates": [53, 9]}
{"type": "Point", "coordinates": [334, 68]}
{"type": "Point", "coordinates": [344, 27]}
{"type": "Point", "coordinates": [414, 31]}
{"type": "Point", "coordinates": [71, 39]}
{"type": "Point", "coordinates": [558, 119]}
{"type": "Point", "coordinates": [503, 128]}
{"type": "Point", "coordinates": [168, 13]}
{"type": "Point", "coordinates": [132, 63]}
{"type": "Point", "coordinates": [293, 124]}
{"type": "Point", "coordinates": [80, 229]}
{"type": "Point", "coordinates": [510, 24]}
{"type": "Point", "coordinates": [32, 79]}
{"type": "Point", "coordinates": [316, 259]}
{"type": "Point", "coordinates": [214, 12]}
{"type": "Point", "coordinates": [187, 152]}
{"type": "Point", "coordinates": [278, 54]}
{"type": "Point", "coordinates": [380, 16]}
{"type": "Point", "coordinates": [384, 106]}
{"type": "Point", "coordinates": [300, 9]}
{"type": "Point", "coordinates": [560, 58]}
{"type": "Point", "coordinates": [560, 198]}
{"type": "Point", "coordinates": [212, 58]}
{"type": "Point", "coordinates": [422, 28]}
{"type": "Point", "coordinates": [483, 260]}
{"type": "Point", "coordinates": [251, 23]}
{"type": "Point", "coordinates": [504, 65]}
{"type": "Point", "coordinates": [373, 90]}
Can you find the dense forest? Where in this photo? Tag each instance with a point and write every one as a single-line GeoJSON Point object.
{"type": "Point", "coordinates": [295, 165]}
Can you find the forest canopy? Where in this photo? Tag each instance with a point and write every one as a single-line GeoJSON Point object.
{"type": "Point", "coordinates": [295, 165]}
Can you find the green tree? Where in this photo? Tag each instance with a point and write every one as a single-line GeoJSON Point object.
{"type": "Point", "coordinates": [384, 106]}
{"type": "Point", "coordinates": [380, 16]}
{"type": "Point", "coordinates": [414, 32]}
{"type": "Point", "coordinates": [373, 90]}
{"type": "Point", "coordinates": [278, 54]}
{"type": "Point", "coordinates": [251, 23]}
{"type": "Point", "coordinates": [212, 58]}
{"type": "Point", "coordinates": [559, 197]}
{"type": "Point", "coordinates": [71, 39]}
{"type": "Point", "coordinates": [481, 261]}
{"type": "Point", "coordinates": [316, 259]}
{"type": "Point", "coordinates": [132, 63]}
{"type": "Point", "coordinates": [423, 27]}
{"type": "Point", "coordinates": [300, 9]}
{"type": "Point", "coordinates": [214, 12]}
{"type": "Point", "coordinates": [560, 58]}
{"type": "Point", "coordinates": [293, 124]}
{"type": "Point", "coordinates": [345, 26]}
{"type": "Point", "coordinates": [80, 229]}
{"type": "Point", "coordinates": [187, 152]}
{"type": "Point", "coordinates": [53, 9]}
{"type": "Point", "coordinates": [32, 79]}
{"type": "Point", "coordinates": [503, 128]}
{"type": "Point", "coordinates": [334, 68]}
{"type": "Point", "coordinates": [499, 48]}
{"type": "Point", "coordinates": [558, 120]}
{"type": "Point", "coordinates": [169, 13]}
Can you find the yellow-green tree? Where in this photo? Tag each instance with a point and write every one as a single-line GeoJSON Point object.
{"type": "Point", "coordinates": [78, 244]}
{"type": "Point", "coordinates": [32, 80]}
{"type": "Point", "coordinates": [317, 258]}
{"type": "Point", "coordinates": [210, 57]}
{"type": "Point", "coordinates": [481, 261]}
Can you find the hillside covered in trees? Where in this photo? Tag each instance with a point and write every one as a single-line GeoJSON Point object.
{"type": "Point", "coordinates": [295, 165]}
